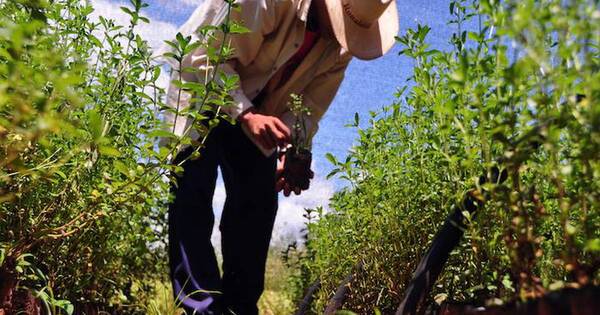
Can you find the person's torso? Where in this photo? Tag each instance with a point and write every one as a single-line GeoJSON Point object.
{"type": "Point", "coordinates": [276, 50]}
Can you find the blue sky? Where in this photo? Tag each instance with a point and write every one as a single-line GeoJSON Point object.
{"type": "Point", "coordinates": [368, 86]}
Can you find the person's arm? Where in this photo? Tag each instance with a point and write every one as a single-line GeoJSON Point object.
{"type": "Point", "coordinates": [260, 18]}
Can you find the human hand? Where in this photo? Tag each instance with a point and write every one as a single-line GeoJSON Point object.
{"type": "Point", "coordinates": [267, 130]}
{"type": "Point", "coordinates": [294, 173]}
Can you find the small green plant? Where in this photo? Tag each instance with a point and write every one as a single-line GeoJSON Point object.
{"type": "Point", "coordinates": [300, 138]}
{"type": "Point", "coordinates": [298, 158]}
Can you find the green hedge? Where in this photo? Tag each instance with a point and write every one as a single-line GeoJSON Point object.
{"type": "Point", "coordinates": [83, 185]}
{"type": "Point", "coordinates": [528, 74]}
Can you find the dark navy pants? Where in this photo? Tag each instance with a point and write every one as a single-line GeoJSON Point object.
{"type": "Point", "coordinates": [246, 225]}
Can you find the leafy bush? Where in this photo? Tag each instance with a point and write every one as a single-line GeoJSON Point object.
{"type": "Point", "coordinates": [83, 187]}
{"type": "Point", "coordinates": [521, 91]}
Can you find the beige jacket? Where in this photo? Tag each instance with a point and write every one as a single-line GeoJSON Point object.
{"type": "Point", "coordinates": [276, 32]}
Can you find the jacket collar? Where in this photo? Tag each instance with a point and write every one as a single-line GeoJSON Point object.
{"type": "Point", "coordinates": [302, 7]}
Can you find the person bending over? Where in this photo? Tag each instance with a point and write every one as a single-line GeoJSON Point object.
{"type": "Point", "coordinates": [297, 47]}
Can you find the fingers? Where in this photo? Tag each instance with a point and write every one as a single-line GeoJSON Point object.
{"type": "Point", "coordinates": [266, 139]}
{"type": "Point", "coordinates": [293, 184]}
{"type": "Point", "coordinates": [268, 131]}
{"type": "Point", "coordinates": [285, 131]}
{"type": "Point", "coordinates": [280, 168]}
{"type": "Point", "coordinates": [279, 184]}
{"type": "Point", "coordinates": [276, 135]}
{"type": "Point", "coordinates": [262, 138]}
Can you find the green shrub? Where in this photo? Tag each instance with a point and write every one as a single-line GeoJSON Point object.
{"type": "Point", "coordinates": [521, 91]}
{"type": "Point", "coordinates": [83, 186]}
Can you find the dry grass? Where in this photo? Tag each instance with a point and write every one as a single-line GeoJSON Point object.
{"type": "Point", "coordinates": [276, 299]}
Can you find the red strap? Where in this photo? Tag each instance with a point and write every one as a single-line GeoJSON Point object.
{"type": "Point", "coordinates": [310, 39]}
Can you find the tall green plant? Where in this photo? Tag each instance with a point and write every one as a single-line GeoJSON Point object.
{"type": "Point", "coordinates": [83, 186]}
{"type": "Point", "coordinates": [521, 89]}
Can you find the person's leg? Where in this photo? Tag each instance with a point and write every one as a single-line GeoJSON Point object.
{"type": "Point", "coordinates": [247, 220]}
{"type": "Point", "coordinates": [193, 265]}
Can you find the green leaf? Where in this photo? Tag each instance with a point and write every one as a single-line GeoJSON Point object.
{"type": "Point", "coordinates": [65, 305]}
{"type": "Point", "coordinates": [109, 151]}
{"type": "Point", "coordinates": [127, 10]}
{"type": "Point", "coordinates": [592, 245]}
{"type": "Point", "coordinates": [236, 28]}
{"type": "Point", "coordinates": [121, 167]}
{"type": "Point", "coordinates": [95, 124]}
{"type": "Point", "coordinates": [331, 158]}
{"type": "Point", "coordinates": [60, 173]}
{"type": "Point", "coordinates": [161, 133]}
